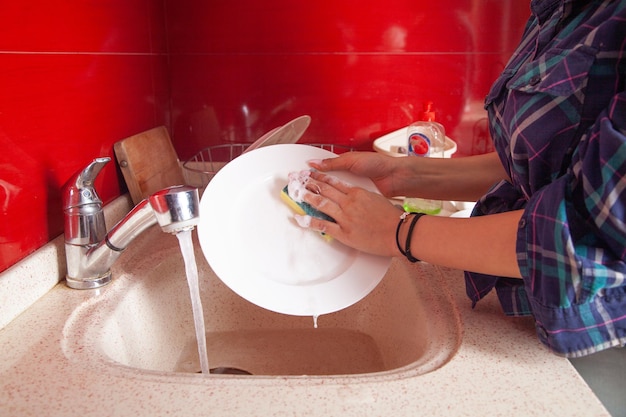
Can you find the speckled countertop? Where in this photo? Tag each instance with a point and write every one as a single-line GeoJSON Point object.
{"type": "Point", "coordinates": [500, 368]}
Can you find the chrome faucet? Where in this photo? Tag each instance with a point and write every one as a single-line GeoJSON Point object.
{"type": "Point", "coordinates": [90, 250]}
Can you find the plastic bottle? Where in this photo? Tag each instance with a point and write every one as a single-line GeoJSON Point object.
{"type": "Point", "coordinates": [426, 138]}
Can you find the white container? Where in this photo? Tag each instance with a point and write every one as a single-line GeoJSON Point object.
{"type": "Point", "coordinates": [395, 144]}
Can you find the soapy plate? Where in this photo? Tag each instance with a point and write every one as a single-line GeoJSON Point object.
{"type": "Point", "coordinates": [253, 244]}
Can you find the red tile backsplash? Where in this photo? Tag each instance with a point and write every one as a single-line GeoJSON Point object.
{"type": "Point", "coordinates": [75, 77]}
{"type": "Point", "coordinates": [359, 71]}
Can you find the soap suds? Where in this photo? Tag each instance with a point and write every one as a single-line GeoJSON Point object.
{"type": "Point", "coordinates": [296, 186]}
{"type": "Point", "coordinates": [303, 221]}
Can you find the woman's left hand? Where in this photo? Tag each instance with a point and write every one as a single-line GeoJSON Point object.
{"type": "Point", "coordinates": [364, 220]}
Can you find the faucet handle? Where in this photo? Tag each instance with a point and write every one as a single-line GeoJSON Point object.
{"type": "Point", "coordinates": [79, 190]}
{"type": "Point", "coordinates": [84, 218]}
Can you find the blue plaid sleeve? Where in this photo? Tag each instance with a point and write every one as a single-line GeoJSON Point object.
{"type": "Point", "coordinates": [572, 243]}
{"type": "Point", "coordinates": [558, 121]}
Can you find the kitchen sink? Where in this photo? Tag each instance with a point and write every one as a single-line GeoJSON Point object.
{"type": "Point", "coordinates": [143, 323]}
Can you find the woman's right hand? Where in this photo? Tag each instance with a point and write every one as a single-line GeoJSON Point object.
{"type": "Point", "coordinates": [379, 168]}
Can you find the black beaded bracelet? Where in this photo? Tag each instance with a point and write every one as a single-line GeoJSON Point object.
{"type": "Point", "coordinates": [407, 247]}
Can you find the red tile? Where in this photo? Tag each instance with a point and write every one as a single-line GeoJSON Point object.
{"type": "Point", "coordinates": [82, 26]}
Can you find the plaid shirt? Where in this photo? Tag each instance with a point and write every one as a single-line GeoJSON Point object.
{"type": "Point", "coordinates": [558, 121]}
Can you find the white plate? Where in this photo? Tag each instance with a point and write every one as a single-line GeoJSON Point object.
{"type": "Point", "coordinates": [288, 133]}
{"type": "Point", "coordinates": [252, 243]}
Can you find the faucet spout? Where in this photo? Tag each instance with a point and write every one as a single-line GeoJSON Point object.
{"type": "Point", "coordinates": [176, 208]}
{"type": "Point", "coordinates": [90, 251]}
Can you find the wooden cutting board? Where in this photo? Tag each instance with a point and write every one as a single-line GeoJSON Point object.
{"type": "Point", "coordinates": [148, 162]}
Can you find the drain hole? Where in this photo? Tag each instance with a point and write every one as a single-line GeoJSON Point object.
{"type": "Point", "coordinates": [227, 370]}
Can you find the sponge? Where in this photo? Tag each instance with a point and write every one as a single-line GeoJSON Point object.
{"type": "Point", "coordinates": [303, 208]}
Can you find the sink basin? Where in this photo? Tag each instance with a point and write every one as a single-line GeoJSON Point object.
{"type": "Point", "coordinates": [143, 322]}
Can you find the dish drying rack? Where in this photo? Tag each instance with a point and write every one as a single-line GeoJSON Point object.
{"type": "Point", "coordinates": [202, 167]}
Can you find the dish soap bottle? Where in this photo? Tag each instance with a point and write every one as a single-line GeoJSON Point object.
{"type": "Point", "coordinates": [426, 138]}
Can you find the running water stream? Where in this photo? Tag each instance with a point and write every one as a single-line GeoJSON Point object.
{"type": "Point", "coordinates": [186, 248]}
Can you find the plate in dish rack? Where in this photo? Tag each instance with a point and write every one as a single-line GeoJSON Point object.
{"type": "Point", "coordinates": [253, 244]}
{"type": "Point", "coordinates": [288, 133]}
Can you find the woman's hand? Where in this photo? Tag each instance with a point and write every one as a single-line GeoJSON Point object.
{"type": "Point", "coordinates": [367, 221]}
{"type": "Point", "coordinates": [377, 167]}
{"type": "Point", "coordinates": [364, 220]}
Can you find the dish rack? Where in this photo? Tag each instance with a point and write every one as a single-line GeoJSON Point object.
{"type": "Point", "coordinates": [202, 167]}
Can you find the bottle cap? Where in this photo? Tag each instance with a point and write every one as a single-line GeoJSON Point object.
{"type": "Point", "coordinates": [428, 114]}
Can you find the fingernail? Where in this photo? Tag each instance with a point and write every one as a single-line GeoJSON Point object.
{"type": "Point", "coordinates": [317, 162]}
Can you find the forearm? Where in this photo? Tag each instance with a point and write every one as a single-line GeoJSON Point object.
{"type": "Point", "coordinates": [464, 179]}
{"type": "Point", "coordinates": [484, 244]}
